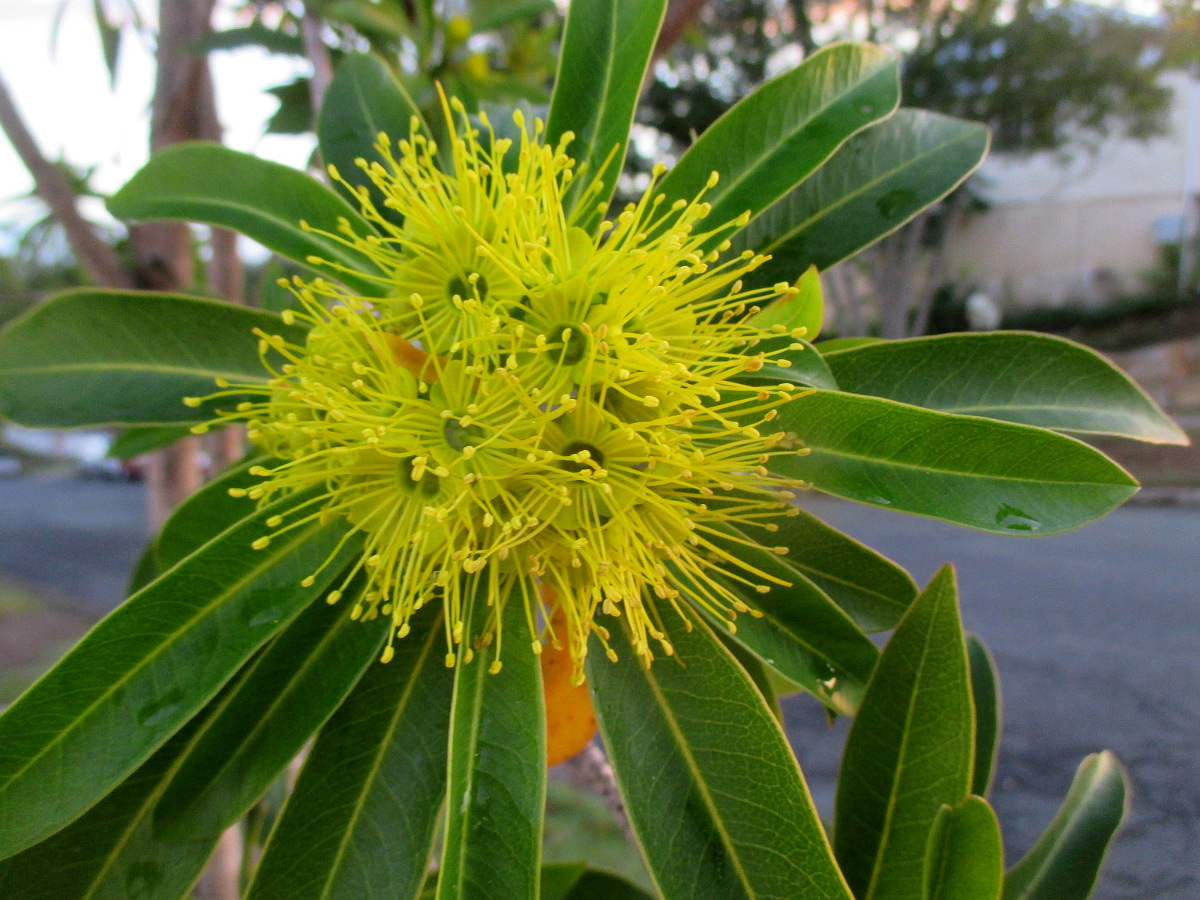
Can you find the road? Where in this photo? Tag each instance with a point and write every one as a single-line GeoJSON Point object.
{"type": "Point", "coordinates": [1097, 638]}
{"type": "Point", "coordinates": [1096, 634]}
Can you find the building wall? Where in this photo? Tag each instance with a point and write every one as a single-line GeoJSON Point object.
{"type": "Point", "coordinates": [1084, 228]}
{"type": "Point", "coordinates": [1061, 252]}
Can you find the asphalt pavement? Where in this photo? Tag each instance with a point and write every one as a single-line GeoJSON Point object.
{"type": "Point", "coordinates": [1096, 634]}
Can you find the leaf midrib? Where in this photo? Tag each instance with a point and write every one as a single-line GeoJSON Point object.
{"type": "Point", "coordinates": [768, 154]}
{"type": "Point", "coordinates": [335, 865]}
{"type": "Point", "coordinates": [882, 461]}
{"type": "Point", "coordinates": [268, 562]}
{"type": "Point", "coordinates": [865, 187]}
{"type": "Point", "coordinates": [901, 756]}
{"type": "Point", "coordinates": [312, 660]}
{"type": "Point", "coordinates": [464, 830]}
{"type": "Point", "coordinates": [697, 779]}
{"type": "Point", "coordinates": [151, 801]}
{"type": "Point", "coordinates": [162, 369]}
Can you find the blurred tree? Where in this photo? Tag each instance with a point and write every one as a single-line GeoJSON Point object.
{"type": "Point", "coordinates": [1044, 75]}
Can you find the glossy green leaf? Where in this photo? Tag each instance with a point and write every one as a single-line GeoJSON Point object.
{"type": "Point", "coordinates": [835, 344]}
{"type": "Point", "coordinates": [872, 589]}
{"type": "Point", "coordinates": [807, 368]}
{"type": "Point", "coordinates": [764, 679]}
{"type": "Point", "coordinates": [557, 879]}
{"type": "Point", "coordinates": [994, 476]}
{"type": "Point", "coordinates": [150, 837]}
{"type": "Point", "coordinates": [605, 52]}
{"type": "Point", "coordinates": [296, 685]}
{"type": "Point", "coordinates": [273, 40]}
{"type": "Point", "coordinates": [146, 569]}
{"type": "Point", "coordinates": [135, 441]}
{"type": "Point", "coordinates": [1035, 379]}
{"type": "Point", "coordinates": [802, 634]}
{"type": "Point", "coordinates": [112, 852]}
{"type": "Point", "coordinates": [879, 180]}
{"type": "Point", "coordinates": [595, 885]}
{"type": "Point", "coordinates": [363, 100]}
{"type": "Point", "coordinates": [386, 21]}
{"type": "Point", "coordinates": [985, 691]}
{"type": "Point", "coordinates": [263, 200]}
{"type": "Point", "coordinates": [360, 823]}
{"type": "Point", "coordinates": [1065, 862]}
{"type": "Point", "coordinates": [96, 357]}
{"type": "Point", "coordinates": [775, 138]}
{"type": "Point", "coordinates": [909, 750]}
{"type": "Point", "coordinates": [206, 513]}
{"type": "Point", "coordinates": [574, 881]}
{"type": "Point", "coordinates": [497, 779]}
{"type": "Point", "coordinates": [497, 14]}
{"type": "Point", "coordinates": [712, 790]}
{"type": "Point", "coordinates": [147, 668]}
{"type": "Point", "coordinates": [965, 858]}
{"type": "Point", "coordinates": [805, 309]}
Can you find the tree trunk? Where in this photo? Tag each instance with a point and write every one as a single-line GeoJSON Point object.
{"type": "Point", "coordinates": [183, 109]}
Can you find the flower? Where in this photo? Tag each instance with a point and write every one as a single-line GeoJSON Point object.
{"type": "Point", "coordinates": [528, 411]}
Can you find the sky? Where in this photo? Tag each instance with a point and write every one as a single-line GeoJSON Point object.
{"type": "Point", "coordinates": [67, 103]}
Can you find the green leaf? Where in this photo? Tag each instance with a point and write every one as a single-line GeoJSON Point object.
{"type": "Point", "coordinates": [363, 100]}
{"type": "Point", "coordinates": [1065, 862]}
{"type": "Point", "coordinates": [708, 780]}
{"type": "Point", "coordinates": [803, 310]}
{"type": "Point", "coordinates": [807, 369]}
{"type": "Point", "coordinates": [110, 41]}
{"type": "Point", "coordinates": [147, 668]}
{"type": "Point", "coordinates": [254, 35]}
{"type": "Point", "coordinates": [1034, 379]}
{"type": "Point", "coordinates": [985, 691]}
{"type": "Point", "coordinates": [138, 440]}
{"type": "Point", "coordinates": [835, 344]}
{"type": "Point", "coordinates": [361, 820]}
{"type": "Point", "coordinates": [96, 357]}
{"type": "Point", "coordinates": [994, 476]}
{"type": "Point", "coordinates": [870, 587]}
{"type": "Point", "coordinates": [779, 135]}
{"type": "Point", "coordinates": [290, 691]}
{"type": "Point", "coordinates": [764, 679]}
{"type": "Point", "coordinates": [802, 634]}
{"type": "Point", "coordinates": [263, 200]}
{"type": "Point", "coordinates": [909, 750]}
{"type": "Point", "coordinates": [497, 14]}
{"type": "Point", "coordinates": [112, 852]}
{"type": "Point", "coordinates": [557, 879]}
{"type": "Point", "coordinates": [605, 52]}
{"type": "Point", "coordinates": [879, 180]}
{"type": "Point", "coordinates": [151, 836]}
{"type": "Point", "coordinates": [497, 780]}
{"type": "Point", "coordinates": [595, 885]}
{"type": "Point", "coordinates": [574, 881]}
{"type": "Point", "coordinates": [966, 855]}
{"type": "Point", "coordinates": [386, 21]}
{"type": "Point", "coordinates": [294, 115]}
{"type": "Point", "coordinates": [206, 513]}
{"type": "Point", "coordinates": [146, 569]}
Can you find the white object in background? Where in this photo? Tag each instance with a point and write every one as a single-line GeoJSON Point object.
{"type": "Point", "coordinates": [982, 312]}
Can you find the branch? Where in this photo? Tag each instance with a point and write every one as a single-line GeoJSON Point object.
{"type": "Point", "coordinates": [589, 769]}
{"type": "Point", "coordinates": [680, 14]}
{"type": "Point", "coordinates": [317, 52]}
{"type": "Point", "coordinates": [94, 254]}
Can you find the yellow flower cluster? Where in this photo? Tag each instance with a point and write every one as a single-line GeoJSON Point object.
{"type": "Point", "coordinates": [528, 412]}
